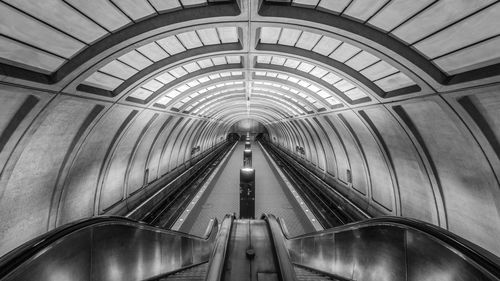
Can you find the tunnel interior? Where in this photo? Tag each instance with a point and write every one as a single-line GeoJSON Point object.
{"type": "Point", "coordinates": [394, 103]}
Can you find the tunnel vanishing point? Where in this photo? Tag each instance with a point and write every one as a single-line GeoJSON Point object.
{"type": "Point", "coordinates": [395, 104]}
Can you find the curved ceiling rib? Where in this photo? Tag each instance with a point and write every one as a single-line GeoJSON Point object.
{"type": "Point", "coordinates": [55, 39]}
{"type": "Point", "coordinates": [118, 74]}
{"type": "Point", "coordinates": [355, 64]}
{"type": "Point", "coordinates": [308, 55]}
{"type": "Point", "coordinates": [426, 35]}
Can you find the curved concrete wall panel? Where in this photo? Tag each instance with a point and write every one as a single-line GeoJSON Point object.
{"type": "Point", "coordinates": [137, 171]}
{"type": "Point", "coordinates": [158, 146]}
{"type": "Point", "coordinates": [381, 184]}
{"type": "Point", "coordinates": [467, 182]}
{"type": "Point", "coordinates": [113, 188]}
{"type": "Point", "coordinates": [415, 190]}
{"type": "Point", "coordinates": [27, 197]}
{"type": "Point", "coordinates": [78, 199]}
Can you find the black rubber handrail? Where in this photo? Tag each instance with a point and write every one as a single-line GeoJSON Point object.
{"type": "Point", "coordinates": [475, 253]}
{"type": "Point", "coordinates": [19, 255]}
{"type": "Point", "coordinates": [219, 251]}
{"type": "Point", "coordinates": [287, 272]}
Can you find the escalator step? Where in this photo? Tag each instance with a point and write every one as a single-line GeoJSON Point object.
{"type": "Point", "coordinates": [196, 273]}
{"type": "Point", "coordinates": [304, 274]}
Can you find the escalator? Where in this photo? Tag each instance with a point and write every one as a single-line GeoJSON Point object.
{"type": "Point", "coordinates": [115, 248]}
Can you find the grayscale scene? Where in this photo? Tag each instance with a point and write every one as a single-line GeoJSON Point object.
{"type": "Point", "coordinates": [249, 140]}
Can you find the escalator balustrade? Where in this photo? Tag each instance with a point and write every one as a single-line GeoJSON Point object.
{"type": "Point", "coordinates": [114, 248]}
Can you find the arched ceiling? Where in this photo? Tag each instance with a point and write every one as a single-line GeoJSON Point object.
{"type": "Point", "coordinates": [270, 60]}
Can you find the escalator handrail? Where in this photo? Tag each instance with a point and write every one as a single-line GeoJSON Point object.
{"type": "Point", "coordinates": [19, 255]}
{"type": "Point", "coordinates": [477, 254]}
{"type": "Point", "coordinates": [216, 261]}
{"type": "Point", "coordinates": [286, 268]}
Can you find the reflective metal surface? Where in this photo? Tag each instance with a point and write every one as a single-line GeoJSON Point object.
{"type": "Point", "coordinates": [113, 250]}
{"type": "Point", "coordinates": [247, 158]}
{"type": "Point", "coordinates": [216, 266]}
{"type": "Point", "coordinates": [286, 269]}
{"type": "Point", "coordinates": [247, 193]}
{"type": "Point", "coordinates": [250, 253]}
{"type": "Point", "coordinates": [393, 249]}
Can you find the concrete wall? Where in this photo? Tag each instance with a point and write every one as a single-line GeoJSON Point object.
{"type": "Point", "coordinates": [64, 158]}
{"type": "Point", "coordinates": [430, 158]}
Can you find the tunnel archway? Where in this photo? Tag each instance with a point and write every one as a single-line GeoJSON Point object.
{"type": "Point", "coordinates": [397, 112]}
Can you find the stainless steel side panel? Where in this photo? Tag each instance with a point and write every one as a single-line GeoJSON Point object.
{"type": "Point", "coordinates": [111, 251]}
{"type": "Point", "coordinates": [383, 252]}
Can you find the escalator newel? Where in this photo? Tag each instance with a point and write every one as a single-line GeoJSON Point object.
{"type": "Point", "coordinates": [247, 193]}
{"type": "Point", "coordinates": [247, 158]}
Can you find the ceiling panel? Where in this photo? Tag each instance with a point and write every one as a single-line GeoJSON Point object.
{"type": "Point", "coordinates": [153, 51]}
{"type": "Point", "coordinates": [136, 60]}
{"type": "Point", "coordinates": [362, 10]}
{"type": "Point", "coordinates": [470, 30]}
{"type": "Point", "coordinates": [437, 16]}
{"type": "Point", "coordinates": [333, 101]}
{"type": "Point", "coordinates": [103, 80]}
{"type": "Point", "coordinates": [178, 72]}
{"type": "Point", "coordinates": [344, 52]}
{"type": "Point", "coordinates": [208, 36]}
{"type": "Point", "coordinates": [135, 9]}
{"type": "Point", "coordinates": [269, 35]}
{"type": "Point", "coordinates": [219, 60]}
{"type": "Point", "coordinates": [233, 59]}
{"type": "Point", "coordinates": [480, 55]}
{"type": "Point", "coordinates": [326, 45]}
{"type": "Point", "coordinates": [331, 78]}
{"type": "Point", "coordinates": [361, 60]}
{"type": "Point", "coordinates": [24, 54]}
{"type": "Point", "coordinates": [319, 72]}
{"type": "Point", "coordinates": [165, 6]}
{"type": "Point", "coordinates": [263, 59]}
{"type": "Point", "coordinates": [103, 12]}
{"type": "Point", "coordinates": [228, 34]}
{"type": "Point", "coordinates": [19, 26]}
{"type": "Point", "coordinates": [205, 63]}
{"type": "Point", "coordinates": [378, 70]}
{"type": "Point", "coordinates": [163, 100]}
{"type": "Point", "coordinates": [141, 93]}
{"type": "Point", "coordinates": [277, 60]}
{"type": "Point", "coordinates": [190, 3]}
{"type": "Point", "coordinates": [344, 85]}
{"type": "Point", "coordinates": [393, 82]}
{"type": "Point", "coordinates": [172, 45]}
{"type": "Point", "coordinates": [192, 67]}
{"type": "Point", "coordinates": [289, 36]}
{"type": "Point", "coordinates": [63, 17]}
{"type": "Point", "coordinates": [307, 40]}
{"type": "Point", "coordinates": [165, 78]}
{"type": "Point", "coordinates": [153, 85]}
{"type": "Point", "coordinates": [305, 67]}
{"type": "Point", "coordinates": [306, 3]}
{"type": "Point", "coordinates": [119, 69]}
{"type": "Point", "coordinates": [190, 39]}
{"type": "Point", "coordinates": [292, 63]}
{"type": "Point", "coordinates": [333, 6]}
{"type": "Point", "coordinates": [396, 12]}
{"type": "Point", "coordinates": [355, 94]}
